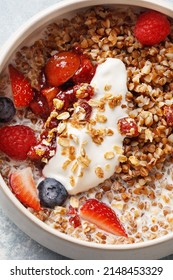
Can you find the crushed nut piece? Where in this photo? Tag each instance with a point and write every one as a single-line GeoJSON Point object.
{"type": "Point", "coordinates": [101, 118]}
{"type": "Point", "coordinates": [107, 87]}
{"type": "Point", "coordinates": [58, 104]}
{"type": "Point", "coordinates": [114, 101]}
{"type": "Point", "coordinates": [74, 201]}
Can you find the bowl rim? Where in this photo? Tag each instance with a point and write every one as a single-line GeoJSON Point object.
{"type": "Point", "coordinates": [44, 16]}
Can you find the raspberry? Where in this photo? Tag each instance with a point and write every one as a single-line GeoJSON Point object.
{"type": "Point", "coordinates": [15, 141]}
{"type": "Point", "coordinates": [151, 28]}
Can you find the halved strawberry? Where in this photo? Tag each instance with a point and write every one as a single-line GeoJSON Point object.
{"type": "Point", "coordinates": [102, 216]}
{"type": "Point", "coordinates": [21, 88]}
{"type": "Point", "coordinates": [23, 186]}
{"type": "Point", "coordinates": [61, 67]}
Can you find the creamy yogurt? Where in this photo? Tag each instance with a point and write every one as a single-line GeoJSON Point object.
{"type": "Point", "coordinates": [101, 158]}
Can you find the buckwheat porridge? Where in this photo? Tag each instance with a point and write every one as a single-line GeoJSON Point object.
{"type": "Point", "coordinates": [86, 118]}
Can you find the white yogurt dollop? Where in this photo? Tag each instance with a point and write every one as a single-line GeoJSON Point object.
{"type": "Point", "coordinates": [110, 78]}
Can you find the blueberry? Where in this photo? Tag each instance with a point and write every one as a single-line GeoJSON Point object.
{"type": "Point", "coordinates": [51, 193]}
{"type": "Point", "coordinates": [7, 109]}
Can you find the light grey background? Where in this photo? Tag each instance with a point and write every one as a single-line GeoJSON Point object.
{"type": "Point", "coordinates": [14, 244]}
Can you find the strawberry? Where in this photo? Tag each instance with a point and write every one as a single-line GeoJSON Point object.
{"type": "Point", "coordinates": [16, 141]}
{"type": "Point", "coordinates": [21, 88]}
{"type": "Point", "coordinates": [23, 186]}
{"type": "Point", "coordinates": [61, 67]}
{"type": "Point", "coordinates": [102, 216]}
{"type": "Point", "coordinates": [152, 28]}
{"type": "Point", "coordinates": [86, 71]}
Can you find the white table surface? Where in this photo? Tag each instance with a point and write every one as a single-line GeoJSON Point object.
{"type": "Point", "coordinates": [14, 244]}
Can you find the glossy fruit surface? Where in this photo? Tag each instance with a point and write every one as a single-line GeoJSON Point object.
{"type": "Point", "coordinates": [128, 127]}
{"type": "Point", "coordinates": [39, 106]}
{"type": "Point", "coordinates": [61, 67]}
{"type": "Point", "coordinates": [86, 71]}
{"type": "Point", "coordinates": [68, 97]}
{"type": "Point", "coordinates": [7, 109]}
{"type": "Point", "coordinates": [21, 88]}
{"type": "Point", "coordinates": [16, 141]}
{"type": "Point", "coordinates": [23, 186]}
{"type": "Point", "coordinates": [51, 193]}
{"type": "Point", "coordinates": [102, 216]}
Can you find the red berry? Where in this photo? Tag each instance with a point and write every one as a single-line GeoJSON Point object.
{"type": "Point", "coordinates": [168, 113]}
{"type": "Point", "coordinates": [68, 96]}
{"type": "Point", "coordinates": [39, 106]}
{"type": "Point", "coordinates": [128, 127]}
{"type": "Point", "coordinates": [75, 221]}
{"type": "Point", "coordinates": [88, 109]}
{"type": "Point", "coordinates": [32, 155]}
{"type": "Point", "coordinates": [23, 185]}
{"type": "Point", "coordinates": [102, 216]}
{"type": "Point", "coordinates": [151, 28]}
{"type": "Point", "coordinates": [71, 210]}
{"type": "Point", "coordinates": [21, 88]}
{"type": "Point", "coordinates": [83, 91]}
{"type": "Point", "coordinates": [16, 141]}
{"type": "Point", "coordinates": [61, 67]}
{"type": "Point", "coordinates": [86, 71]}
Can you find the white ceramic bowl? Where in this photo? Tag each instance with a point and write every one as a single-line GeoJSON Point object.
{"type": "Point", "coordinates": [39, 231]}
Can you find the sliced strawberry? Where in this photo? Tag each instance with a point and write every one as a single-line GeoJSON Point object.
{"type": "Point", "coordinates": [21, 88]}
{"type": "Point", "coordinates": [102, 216]}
{"type": "Point", "coordinates": [86, 71]}
{"type": "Point", "coordinates": [61, 67]}
{"type": "Point", "coordinates": [23, 186]}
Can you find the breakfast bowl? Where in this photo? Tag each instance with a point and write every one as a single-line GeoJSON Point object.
{"type": "Point", "coordinates": [86, 129]}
